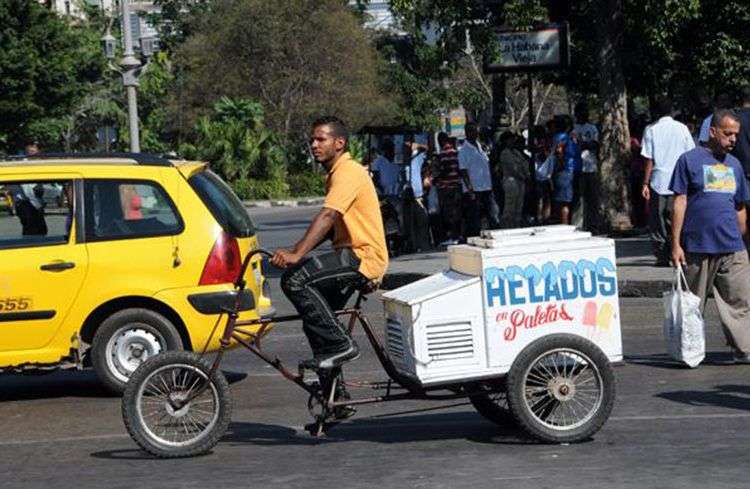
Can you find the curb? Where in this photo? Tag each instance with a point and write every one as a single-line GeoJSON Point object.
{"type": "Point", "coordinates": [306, 201]}
{"type": "Point", "coordinates": [627, 288]}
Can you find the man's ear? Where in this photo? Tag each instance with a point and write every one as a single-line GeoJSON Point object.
{"type": "Point", "coordinates": [339, 144]}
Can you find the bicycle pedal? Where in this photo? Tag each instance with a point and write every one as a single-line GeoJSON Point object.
{"type": "Point", "coordinates": [344, 412]}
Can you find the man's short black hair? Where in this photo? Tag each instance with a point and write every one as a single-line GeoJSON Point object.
{"type": "Point", "coordinates": [442, 137]}
{"type": "Point", "coordinates": [722, 114]}
{"type": "Point", "coordinates": [663, 106]}
{"type": "Point", "coordinates": [336, 125]}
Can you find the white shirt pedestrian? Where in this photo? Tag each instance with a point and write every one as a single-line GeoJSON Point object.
{"type": "Point", "coordinates": [388, 176]}
{"type": "Point", "coordinates": [663, 142]}
{"type": "Point", "coordinates": [472, 157]}
{"type": "Point", "coordinates": [587, 133]}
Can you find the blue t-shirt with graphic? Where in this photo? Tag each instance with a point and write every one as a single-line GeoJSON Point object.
{"type": "Point", "coordinates": [714, 188]}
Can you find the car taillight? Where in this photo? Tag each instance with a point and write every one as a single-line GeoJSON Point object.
{"type": "Point", "coordinates": [223, 263]}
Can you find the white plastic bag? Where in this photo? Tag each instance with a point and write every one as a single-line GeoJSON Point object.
{"type": "Point", "coordinates": [683, 323]}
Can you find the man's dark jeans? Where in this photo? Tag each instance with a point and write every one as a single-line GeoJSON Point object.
{"type": "Point", "coordinates": [482, 205]}
{"type": "Point", "coordinates": [660, 225]}
{"type": "Point", "coordinates": [318, 286]}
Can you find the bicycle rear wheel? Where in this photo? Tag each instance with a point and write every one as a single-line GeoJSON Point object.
{"type": "Point", "coordinates": [153, 412]}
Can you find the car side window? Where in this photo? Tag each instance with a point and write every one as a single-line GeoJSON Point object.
{"type": "Point", "coordinates": [35, 213]}
{"type": "Point", "coordinates": [120, 209]}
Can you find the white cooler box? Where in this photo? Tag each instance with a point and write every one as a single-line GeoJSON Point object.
{"type": "Point", "coordinates": [503, 291]}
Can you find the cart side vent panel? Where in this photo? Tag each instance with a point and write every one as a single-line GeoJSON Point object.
{"type": "Point", "coordinates": [450, 341]}
{"type": "Point", "coordinates": [395, 341]}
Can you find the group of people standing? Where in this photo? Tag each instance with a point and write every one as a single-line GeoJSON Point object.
{"type": "Point", "coordinates": [547, 175]}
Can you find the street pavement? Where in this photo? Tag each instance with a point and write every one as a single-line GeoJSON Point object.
{"type": "Point", "coordinates": [671, 427]}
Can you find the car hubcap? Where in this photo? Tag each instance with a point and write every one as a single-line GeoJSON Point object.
{"type": "Point", "coordinates": [129, 348]}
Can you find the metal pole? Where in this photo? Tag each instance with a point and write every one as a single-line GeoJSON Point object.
{"type": "Point", "coordinates": [130, 65]}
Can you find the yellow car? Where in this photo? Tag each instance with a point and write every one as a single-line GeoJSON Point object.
{"type": "Point", "coordinates": [139, 258]}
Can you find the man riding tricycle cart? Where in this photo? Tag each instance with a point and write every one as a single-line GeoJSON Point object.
{"type": "Point", "coordinates": [520, 325]}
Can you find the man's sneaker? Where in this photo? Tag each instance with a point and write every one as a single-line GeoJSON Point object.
{"type": "Point", "coordinates": [329, 360]}
{"type": "Point", "coordinates": [326, 361]}
{"type": "Point", "coordinates": [741, 358]}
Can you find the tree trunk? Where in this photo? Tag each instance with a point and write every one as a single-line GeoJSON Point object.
{"type": "Point", "coordinates": [614, 151]}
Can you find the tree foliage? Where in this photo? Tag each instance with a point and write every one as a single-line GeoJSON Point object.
{"type": "Point", "coordinates": [299, 59]}
{"type": "Point", "coordinates": [237, 143]}
{"type": "Point", "coordinates": [47, 67]}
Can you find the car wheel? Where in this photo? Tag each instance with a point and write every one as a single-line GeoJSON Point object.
{"type": "Point", "coordinates": [125, 340]}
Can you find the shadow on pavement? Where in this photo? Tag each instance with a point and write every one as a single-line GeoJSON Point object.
{"type": "Point", "coordinates": [61, 383]}
{"type": "Point", "coordinates": [402, 429]}
{"type": "Point", "coordinates": [727, 396]}
{"type": "Point", "coordinates": [25, 387]}
{"type": "Point", "coordinates": [662, 360]}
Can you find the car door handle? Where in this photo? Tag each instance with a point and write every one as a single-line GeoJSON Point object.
{"type": "Point", "coordinates": [58, 266]}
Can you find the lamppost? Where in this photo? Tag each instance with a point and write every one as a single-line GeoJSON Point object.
{"type": "Point", "coordinates": [130, 70]}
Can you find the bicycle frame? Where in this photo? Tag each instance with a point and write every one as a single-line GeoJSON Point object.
{"type": "Point", "coordinates": [324, 394]}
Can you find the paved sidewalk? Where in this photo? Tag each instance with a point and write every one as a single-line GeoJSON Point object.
{"type": "Point", "coordinates": [637, 275]}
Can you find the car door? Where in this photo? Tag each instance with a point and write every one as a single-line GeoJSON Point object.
{"type": "Point", "coordinates": [42, 265]}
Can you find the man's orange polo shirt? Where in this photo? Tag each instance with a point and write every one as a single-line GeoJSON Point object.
{"type": "Point", "coordinates": [351, 192]}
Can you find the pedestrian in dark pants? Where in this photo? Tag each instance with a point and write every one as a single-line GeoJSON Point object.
{"type": "Point", "coordinates": [663, 143]}
{"type": "Point", "coordinates": [448, 181]}
{"type": "Point", "coordinates": [709, 228]}
{"type": "Point", "coordinates": [478, 200]}
{"type": "Point", "coordinates": [515, 168]}
{"type": "Point", "coordinates": [587, 138]}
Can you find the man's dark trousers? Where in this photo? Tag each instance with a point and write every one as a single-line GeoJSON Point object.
{"type": "Point", "coordinates": [318, 286]}
{"type": "Point", "coordinates": [660, 225]}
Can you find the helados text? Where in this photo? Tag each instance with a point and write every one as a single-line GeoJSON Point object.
{"type": "Point", "coordinates": [562, 281]}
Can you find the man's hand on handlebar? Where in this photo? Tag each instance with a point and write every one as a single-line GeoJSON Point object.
{"type": "Point", "coordinates": [285, 258]}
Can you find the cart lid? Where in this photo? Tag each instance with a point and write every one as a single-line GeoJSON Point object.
{"type": "Point", "coordinates": [554, 229]}
{"type": "Point", "coordinates": [430, 287]}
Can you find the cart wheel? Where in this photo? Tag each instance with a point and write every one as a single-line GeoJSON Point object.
{"type": "Point", "coordinates": [491, 401]}
{"type": "Point", "coordinates": [561, 389]}
{"type": "Point", "coordinates": [155, 419]}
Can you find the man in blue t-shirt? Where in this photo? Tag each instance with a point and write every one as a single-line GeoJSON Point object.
{"type": "Point", "coordinates": [709, 226]}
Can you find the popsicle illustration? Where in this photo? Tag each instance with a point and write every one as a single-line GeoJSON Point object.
{"type": "Point", "coordinates": [604, 318]}
{"type": "Point", "coordinates": [589, 313]}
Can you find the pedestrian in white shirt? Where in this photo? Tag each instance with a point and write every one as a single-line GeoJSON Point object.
{"type": "Point", "coordinates": [663, 143]}
{"type": "Point", "coordinates": [385, 172]}
{"type": "Point", "coordinates": [478, 200]}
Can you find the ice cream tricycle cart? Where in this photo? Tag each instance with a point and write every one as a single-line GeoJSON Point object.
{"type": "Point", "coordinates": [524, 323]}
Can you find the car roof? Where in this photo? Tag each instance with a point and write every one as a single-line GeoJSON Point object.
{"type": "Point", "coordinates": [185, 167]}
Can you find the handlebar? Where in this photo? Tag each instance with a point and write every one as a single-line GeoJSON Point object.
{"type": "Point", "coordinates": [240, 282]}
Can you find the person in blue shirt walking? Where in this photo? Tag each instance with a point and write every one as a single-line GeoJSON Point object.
{"type": "Point", "coordinates": [709, 228]}
{"type": "Point", "coordinates": [568, 162]}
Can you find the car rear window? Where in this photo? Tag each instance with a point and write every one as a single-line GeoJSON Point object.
{"type": "Point", "coordinates": [225, 206]}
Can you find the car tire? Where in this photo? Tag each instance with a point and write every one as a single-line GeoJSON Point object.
{"type": "Point", "coordinates": [126, 339]}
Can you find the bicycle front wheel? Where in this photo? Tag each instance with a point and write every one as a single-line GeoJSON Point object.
{"type": "Point", "coordinates": [156, 414]}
